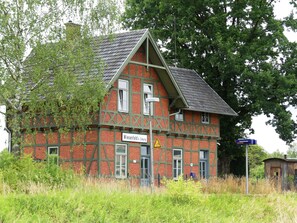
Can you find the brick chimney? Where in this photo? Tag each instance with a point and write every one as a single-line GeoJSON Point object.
{"type": "Point", "coordinates": [72, 30]}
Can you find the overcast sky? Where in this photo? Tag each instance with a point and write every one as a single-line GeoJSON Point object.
{"type": "Point", "coordinates": [265, 135]}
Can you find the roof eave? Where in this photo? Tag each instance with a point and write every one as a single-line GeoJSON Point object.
{"type": "Point", "coordinates": [168, 70]}
{"type": "Point", "coordinates": [233, 113]}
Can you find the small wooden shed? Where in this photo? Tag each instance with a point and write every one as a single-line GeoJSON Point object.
{"type": "Point", "coordinates": [282, 169]}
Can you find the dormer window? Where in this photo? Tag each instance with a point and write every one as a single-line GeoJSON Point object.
{"type": "Point", "coordinates": [205, 118]}
{"type": "Point", "coordinates": [123, 96]}
{"type": "Point", "coordinates": [147, 93]}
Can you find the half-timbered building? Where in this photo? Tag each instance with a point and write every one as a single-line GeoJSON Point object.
{"type": "Point", "coordinates": [185, 121]}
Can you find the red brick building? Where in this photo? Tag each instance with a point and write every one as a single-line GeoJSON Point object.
{"type": "Point", "coordinates": [185, 121]}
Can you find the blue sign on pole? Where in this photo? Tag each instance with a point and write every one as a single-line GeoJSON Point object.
{"type": "Point", "coordinates": [246, 142]}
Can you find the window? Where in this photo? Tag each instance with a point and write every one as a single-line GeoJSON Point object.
{"type": "Point", "coordinates": [123, 96]}
{"type": "Point", "coordinates": [53, 155]}
{"type": "Point", "coordinates": [205, 118]}
{"type": "Point", "coordinates": [203, 164]}
{"type": "Point", "coordinates": [179, 116]}
{"type": "Point", "coordinates": [147, 93]}
{"type": "Point", "coordinates": [177, 163]}
{"type": "Point", "coordinates": [121, 161]}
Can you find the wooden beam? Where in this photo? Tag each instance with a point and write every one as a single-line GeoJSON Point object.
{"type": "Point", "coordinates": [147, 54]}
{"type": "Point", "coordinates": [146, 64]}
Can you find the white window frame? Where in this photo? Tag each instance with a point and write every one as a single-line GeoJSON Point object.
{"type": "Point", "coordinates": [177, 171]}
{"type": "Point", "coordinates": [49, 154]}
{"type": "Point", "coordinates": [121, 157]}
{"type": "Point", "coordinates": [123, 92]}
{"type": "Point", "coordinates": [179, 116]}
{"type": "Point", "coordinates": [205, 117]}
{"type": "Point", "coordinates": [147, 94]}
{"type": "Point", "coordinates": [203, 160]}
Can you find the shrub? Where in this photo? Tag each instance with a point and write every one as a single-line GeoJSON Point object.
{"type": "Point", "coordinates": [20, 173]}
{"type": "Point", "coordinates": [258, 172]}
{"type": "Point", "coordinates": [183, 191]}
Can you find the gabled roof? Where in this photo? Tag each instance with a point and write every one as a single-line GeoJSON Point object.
{"type": "Point", "coordinates": [199, 95]}
{"type": "Point", "coordinates": [185, 87]}
{"type": "Point", "coordinates": [117, 52]}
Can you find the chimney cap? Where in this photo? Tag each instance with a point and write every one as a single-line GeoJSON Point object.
{"type": "Point", "coordinates": [70, 23]}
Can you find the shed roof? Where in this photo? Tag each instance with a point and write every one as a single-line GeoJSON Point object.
{"type": "Point", "coordinates": [290, 160]}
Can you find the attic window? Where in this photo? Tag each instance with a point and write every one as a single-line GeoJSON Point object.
{"type": "Point", "coordinates": [123, 95]}
{"type": "Point", "coordinates": [147, 93]}
{"type": "Point", "coordinates": [205, 118]}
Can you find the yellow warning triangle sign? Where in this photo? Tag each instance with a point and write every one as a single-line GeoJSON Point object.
{"type": "Point", "coordinates": [157, 144]}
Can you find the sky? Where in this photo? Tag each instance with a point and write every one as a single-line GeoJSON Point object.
{"type": "Point", "coordinates": [265, 135]}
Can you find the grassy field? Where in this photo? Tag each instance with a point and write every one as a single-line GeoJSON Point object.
{"type": "Point", "coordinates": [41, 192]}
{"type": "Point", "coordinates": [117, 202]}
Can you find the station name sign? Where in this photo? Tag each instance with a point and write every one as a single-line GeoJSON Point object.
{"type": "Point", "coordinates": [246, 142]}
{"type": "Point", "coordinates": [129, 137]}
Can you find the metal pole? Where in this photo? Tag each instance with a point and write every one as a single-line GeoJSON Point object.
{"type": "Point", "coordinates": [152, 149]}
{"type": "Point", "coordinates": [247, 168]}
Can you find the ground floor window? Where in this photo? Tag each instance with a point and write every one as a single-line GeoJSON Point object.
{"type": "Point", "coordinates": [177, 163]}
{"type": "Point", "coordinates": [53, 155]}
{"type": "Point", "coordinates": [203, 164]}
{"type": "Point", "coordinates": [121, 161]}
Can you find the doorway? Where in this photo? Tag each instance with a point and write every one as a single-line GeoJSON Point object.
{"type": "Point", "coordinates": [145, 172]}
{"type": "Point", "coordinates": [275, 172]}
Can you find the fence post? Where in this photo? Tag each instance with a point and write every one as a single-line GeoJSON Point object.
{"type": "Point", "coordinates": [159, 180]}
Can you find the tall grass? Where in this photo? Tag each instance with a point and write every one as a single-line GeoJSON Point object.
{"type": "Point", "coordinates": [101, 201]}
{"type": "Point", "coordinates": [40, 192]}
{"type": "Point", "coordinates": [231, 184]}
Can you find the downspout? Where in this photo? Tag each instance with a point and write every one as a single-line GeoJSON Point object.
{"type": "Point", "coordinates": [175, 113]}
{"type": "Point", "coordinates": [9, 139]}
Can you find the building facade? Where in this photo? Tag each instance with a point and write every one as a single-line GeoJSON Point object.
{"type": "Point", "coordinates": [185, 121]}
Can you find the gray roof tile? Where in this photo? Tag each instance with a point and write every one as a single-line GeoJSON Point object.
{"type": "Point", "coordinates": [199, 95]}
{"type": "Point", "coordinates": [115, 50]}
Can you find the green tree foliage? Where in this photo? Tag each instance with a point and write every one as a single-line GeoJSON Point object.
{"type": "Point", "coordinates": [256, 156]}
{"type": "Point", "coordinates": [48, 71]}
{"type": "Point", "coordinates": [256, 165]}
{"type": "Point", "coordinates": [277, 154]}
{"type": "Point", "coordinates": [239, 48]}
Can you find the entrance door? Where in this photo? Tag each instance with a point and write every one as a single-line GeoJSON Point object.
{"type": "Point", "coordinates": [275, 172]}
{"type": "Point", "coordinates": [145, 166]}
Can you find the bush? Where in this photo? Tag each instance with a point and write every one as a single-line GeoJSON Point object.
{"type": "Point", "coordinates": [19, 173]}
{"type": "Point", "coordinates": [258, 172]}
{"type": "Point", "coordinates": [183, 191]}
